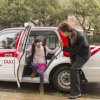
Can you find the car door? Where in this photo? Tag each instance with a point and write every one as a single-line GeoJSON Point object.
{"type": "Point", "coordinates": [20, 54]}
{"type": "Point", "coordinates": [7, 50]}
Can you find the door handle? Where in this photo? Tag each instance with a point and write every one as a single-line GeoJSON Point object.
{"type": "Point", "coordinates": [8, 55]}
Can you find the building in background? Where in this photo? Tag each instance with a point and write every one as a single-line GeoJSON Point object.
{"type": "Point", "coordinates": [73, 21]}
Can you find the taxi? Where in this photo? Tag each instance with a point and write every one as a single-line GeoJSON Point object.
{"type": "Point", "coordinates": [15, 62]}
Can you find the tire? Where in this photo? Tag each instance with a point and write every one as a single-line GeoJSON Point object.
{"type": "Point", "coordinates": [61, 78]}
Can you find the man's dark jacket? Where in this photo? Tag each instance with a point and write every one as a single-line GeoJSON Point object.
{"type": "Point", "coordinates": [81, 51]}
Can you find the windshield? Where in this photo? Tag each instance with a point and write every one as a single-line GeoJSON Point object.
{"type": "Point", "coordinates": [8, 40]}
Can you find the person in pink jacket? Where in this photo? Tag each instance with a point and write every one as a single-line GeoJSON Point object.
{"type": "Point", "coordinates": [39, 61]}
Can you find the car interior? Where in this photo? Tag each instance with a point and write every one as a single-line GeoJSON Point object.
{"type": "Point", "coordinates": [50, 40]}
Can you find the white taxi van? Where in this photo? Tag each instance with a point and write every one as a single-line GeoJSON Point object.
{"type": "Point", "coordinates": [15, 62]}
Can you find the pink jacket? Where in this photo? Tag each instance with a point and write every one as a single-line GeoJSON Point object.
{"type": "Point", "coordinates": [39, 55]}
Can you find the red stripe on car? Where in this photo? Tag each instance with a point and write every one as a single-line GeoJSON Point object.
{"type": "Point", "coordinates": [95, 51]}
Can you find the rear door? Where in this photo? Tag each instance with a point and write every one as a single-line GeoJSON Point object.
{"type": "Point", "coordinates": [20, 54]}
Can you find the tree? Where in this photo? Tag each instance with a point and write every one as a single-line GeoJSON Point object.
{"type": "Point", "coordinates": [48, 12]}
{"type": "Point", "coordinates": [4, 13]}
{"type": "Point", "coordinates": [20, 12]}
{"type": "Point", "coordinates": [85, 12]}
{"type": "Point", "coordinates": [96, 24]}
{"type": "Point", "coordinates": [14, 12]}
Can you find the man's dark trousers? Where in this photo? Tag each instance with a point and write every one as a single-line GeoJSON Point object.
{"type": "Point", "coordinates": [75, 78]}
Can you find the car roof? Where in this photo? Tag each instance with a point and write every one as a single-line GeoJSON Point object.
{"type": "Point", "coordinates": [46, 27]}
{"type": "Point", "coordinates": [20, 28]}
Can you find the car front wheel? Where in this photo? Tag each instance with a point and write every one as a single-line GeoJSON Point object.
{"type": "Point", "coordinates": [61, 78]}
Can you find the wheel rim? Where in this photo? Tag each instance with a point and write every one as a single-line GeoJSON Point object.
{"type": "Point", "coordinates": [64, 79]}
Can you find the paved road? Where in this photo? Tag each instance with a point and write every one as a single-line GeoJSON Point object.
{"type": "Point", "coordinates": [91, 90]}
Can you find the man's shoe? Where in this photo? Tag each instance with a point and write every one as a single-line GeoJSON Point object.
{"type": "Point", "coordinates": [74, 97]}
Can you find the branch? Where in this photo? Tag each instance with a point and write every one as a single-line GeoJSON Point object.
{"type": "Point", "coordinates": [89, 27]}
{"type": "Point", "coordinates": [78, 20]}
{"type": "Point", "coordinates": [83, 20]}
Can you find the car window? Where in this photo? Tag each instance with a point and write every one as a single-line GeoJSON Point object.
{"type": "Point", "coordinates": [8, 40]}
{"type": "Point", "coordinates": [51, 41]}
{"type": "Point", "coordinates": [23, 39]}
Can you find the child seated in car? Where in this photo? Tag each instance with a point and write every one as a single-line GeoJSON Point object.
{"type": "Point", "coordinates": [39, 61]}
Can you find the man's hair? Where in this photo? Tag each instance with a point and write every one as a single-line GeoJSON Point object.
{"type": "Point", "coordinates": [66, 27]}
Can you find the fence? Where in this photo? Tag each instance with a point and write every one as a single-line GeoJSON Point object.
{"type": "Point", "coordinates": [2, 26]}
{"type": "Point", "coordinates": [95, 39]}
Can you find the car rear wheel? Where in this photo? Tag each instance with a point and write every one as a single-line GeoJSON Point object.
{"type": "Point", "coordinates": [61, 79]}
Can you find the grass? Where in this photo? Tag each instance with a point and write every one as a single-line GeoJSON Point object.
{"type": "Point", "coordinates": [15, 91]}
{"type": "Point", "coordinates": [32, 92]}
{"type": "Point", "coordinates": [37, 92]}
{"type": "Point", "coordinates": [57, 94]}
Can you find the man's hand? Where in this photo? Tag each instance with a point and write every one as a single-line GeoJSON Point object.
{"type": "Point", "coordinates": [61, 44]}
{"type": "Point", "coordinates": [70, 62]}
